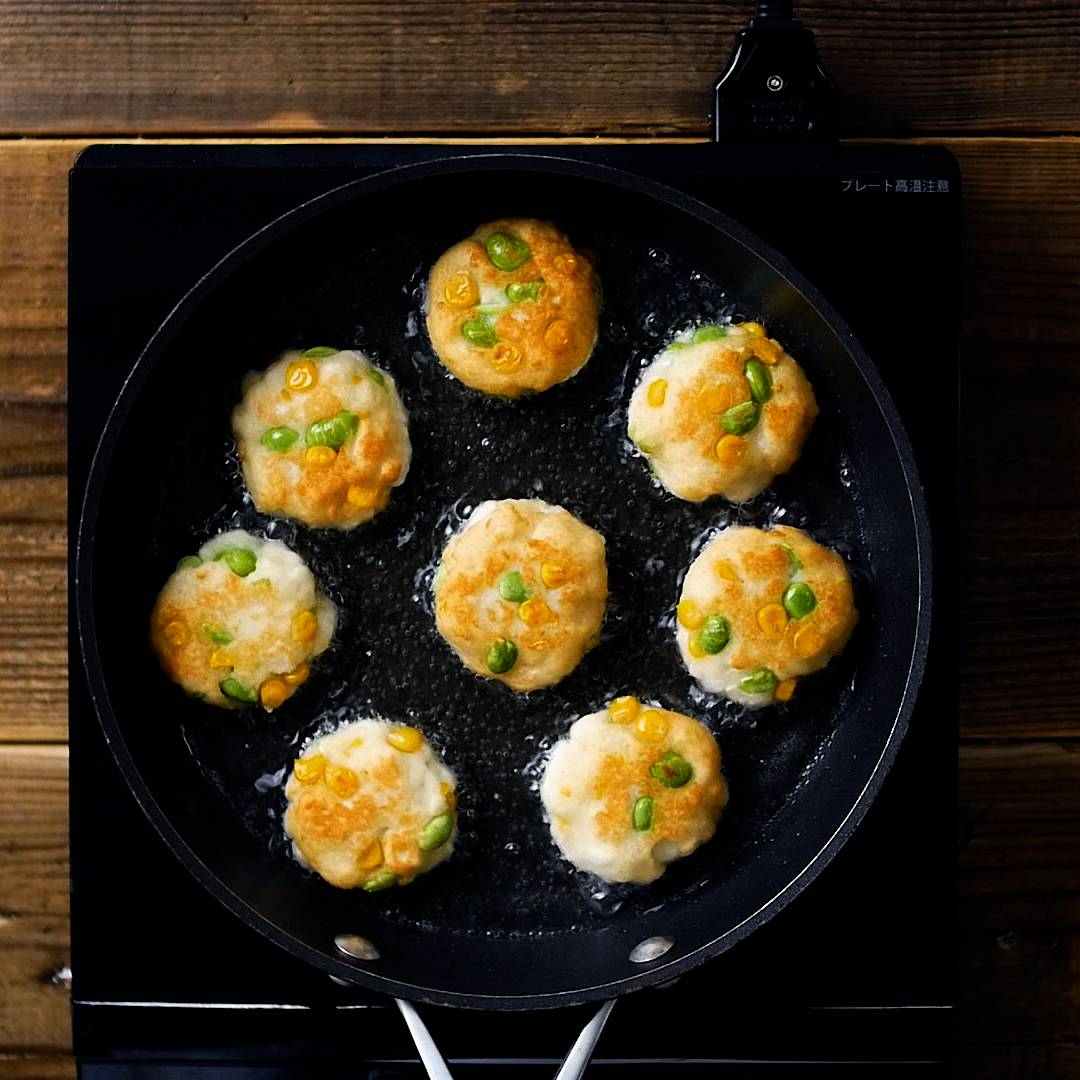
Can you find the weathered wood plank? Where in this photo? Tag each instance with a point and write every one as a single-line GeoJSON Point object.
{"type": "Point", "coordinates": [34, 908]}
{"type": "Point", "coordinates": [141, 66]}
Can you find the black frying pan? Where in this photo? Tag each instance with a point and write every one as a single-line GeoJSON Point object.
{"type": "Point", "coordinates": [505, 923]}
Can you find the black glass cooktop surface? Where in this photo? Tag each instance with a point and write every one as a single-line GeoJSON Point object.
{"type": "Point", "coordinates": [854, 978]}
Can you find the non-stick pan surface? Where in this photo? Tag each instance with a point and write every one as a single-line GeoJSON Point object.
{"type": "Point", "coordinates": [505, 923]}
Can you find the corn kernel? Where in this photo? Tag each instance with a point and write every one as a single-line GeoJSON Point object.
{"type": "Point", "coordinates": [754, 329]}
{"type": "Point", "coordinates": [623, 710]}
{"type": "Point", "coordinates": [298, 675]}
{"type": "Point", "coordinates": [304, 626]}
{"type": "Point", "coordinates": [785, 689]}
{"type": "Point", "coordinates": [690, 615]}
{"type": "Point", "coordinates": [652, 726]}
{"type": "Point", "coordinates": [773, 620]}
{"type": "Point", "coordinates": [355, 744]}
{"type": "Point", "coordinates": [221, 660]}
{"type": "Point", "coordinates": [342, 781]}
{"type": "Point", "coordinates": [367, 498]}
{"type": "Point", "coordinates": [808, 642]}
{"type": "Point", "coordinates": [766, 350]}
{"type": "Point", "coordinates": [535, 612]}
{"type": "Point", "coordinates": [741, 661]}
{"type": "Point", "coordinates": [273, 693]}
{"type": "Point", "coordinates": [319, 457]}
{"type": "Point", "coordinates": [450, 795]}
{"type": "Point", "coordinates": [505, 356]}
{"type": "Point", "coordinates": [406, 739]}
{"type": "Point", "coordinates": [552, 575]}
{"type": "Point", "coordinates": [657, 392]}
{"type": "Point", "coordinates": [725, 570]}
{"type": "Point", "coordinates": [309, 769]}
{"type": "Point", "coordinates": [461, 291]}
{"type": "Point", "coordinates": [301, 375]}
{"type": "Point", "coordinates": [176, 633]}
{"type": "Point", "coordinates": [694, 645]}
{"type": "Point", "coordinates": [730, 449]}
{"type": "Point", "coordinates": [565, 263]}
{"type": "Point", "coordinates": [371, 857]}
{"type": "Point", "coordinates": [565, 792]}
{"type": "Point", "coordinates": [557, 335]}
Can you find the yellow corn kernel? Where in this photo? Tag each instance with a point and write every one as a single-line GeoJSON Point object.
{"type": "Point", "coordinates": [341, 780]}
{"type": "Point", "coordinates": [461, 291]}
{"type": "Point", "coordinates": [301, 375]}
{"type": "Point", "coordinates": [740, 661]}
{"type": "Point", "coordinates": [319, 457]}
{"type": "Point", "coordinates": [273, 693]}
{"type": "Point", "coordinates": [450, 795]}
{"type": "Point", "coordinates": [552, 575]}
{"type": "Point", "coordinates": [766, 350]}
{"type": "Point", "coordinates": [565, 263]}
{"type": "Point", "coordinates": [220, 660]}
{"type": "Point", "coordinates": [809, 641]}
{"type": "Point", "coordinates": [773, 620]}
{"type": "Point", "coordinates": [557, 335]}
{"type": "Point", "coordinates": [298, 675]}
{"type": "Point", "coordinates": [694, 645]}
{"type": "Point", "coordinates": [371, 857]}
{"type": "Point", "coordinates": [309, 769]}
{"type": "Point", "coordinates": [690, 615]}
{"type": "Point", "coordinates": [657, 392]}
{"type": "Point", "coordinates": [304, 626]}
{"type": "Point", "coordinates": [356, 744]}
{"type": "Point", "coordinates": [367, 498]}
{"type": "Point", "coordinates": [565, 792]}
{"type": "Point", "coordinates": [785, 689]}
{"type": "Point", "coordinates": [725, 570]}
{"type": "Point", "coordinates": [176, 633]}
{"type": "Point", "coordinates": [652, 726]}
{"type": "Point", "coordinates": [505, 356]}
{"type": "Point", "coordinates": [730, 449]}
{"type": "Point", "coordinates": [535, 612]}
{"type": "Point", "coordinates": [754, 329]}
{"type": "Point", "coordinates": [623, 710]}
{"type": "Point", "coordinates": [406, 739]}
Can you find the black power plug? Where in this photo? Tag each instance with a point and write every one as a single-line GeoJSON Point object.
{"type": "Point", "coordinates": [775, 88]}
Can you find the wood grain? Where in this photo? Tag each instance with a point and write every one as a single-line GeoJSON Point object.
{"type": "Point", "coordinates": [199, 66]}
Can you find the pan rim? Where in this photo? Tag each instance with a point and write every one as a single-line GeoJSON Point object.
{"type": "Point", "coordinates": [151, 354]}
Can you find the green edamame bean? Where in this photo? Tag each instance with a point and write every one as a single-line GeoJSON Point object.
{"type": "Point", "coordinates": [237, 691]}
{"type": "Point", "coordinates": [512, 588]}
{"type": "Point", "coordinates": [709, 332]}
{"type": "Point", "coordinates": [502, 656]}
{"type": "Point", "coordinates": [643, 814]}
{"type": "Point", "coordinates": [762, 681]}
{"type": "Point", "coordinates": [672, 770]}
{"type": "Point", "coordinates": [279, 439]}
{"type": "Point", "coordinates": [741, 418]}
{"type": "Point", "coordinates": [507, 251]}
{"type": "Point", "coordinates": [794, 562]}
{"type": "Point", "coordinates": [385, 880]}
{"type": "Point", "coordinates": [376, 376]}
{"type": "Point", "coordinates": [189, 562]}
{"type": "Point", "coordinates": [715, 634]}
{"type": "Point", "coordinates": [436, 832]}
{"type": "Point", "coordinates": [760, 380]}
{"type": "Point", "coordinates": [333, 431]}
{"type": "Point", "coordinates": [319, 352]}
{"type": "Point", "coordinates": [518, 292]}
{"type": "Point", "coordinates": [217, 635]}
{"type": "Point", "coordinates": [241, 561]}
{"type": "Point", "coordinates": [479, 332]}
{"type": "Point", "coordinates": [799, 600]}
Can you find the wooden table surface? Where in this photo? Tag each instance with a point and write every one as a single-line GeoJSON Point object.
{"type": "Point", "coordinates": [995, 82]}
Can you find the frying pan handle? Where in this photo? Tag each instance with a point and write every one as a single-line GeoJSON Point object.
{"type": "Point", "coordinates": [573, 1066]}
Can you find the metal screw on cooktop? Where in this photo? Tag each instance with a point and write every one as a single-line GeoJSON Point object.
{"type": "Point", "coordinates": [774, 83]}
{"type": "Point", "coordinates": [652, 948]}
{"type": "Point", "coordinates": [356, 947]}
